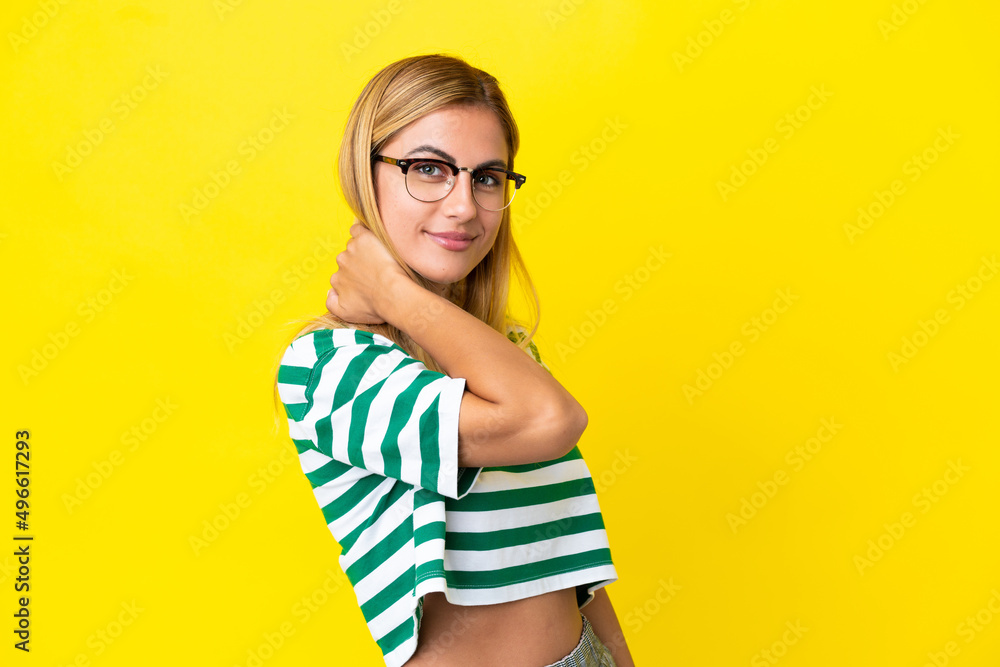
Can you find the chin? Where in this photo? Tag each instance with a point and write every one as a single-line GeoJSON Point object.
{"type": "Point", "coordinates": [444, 277]}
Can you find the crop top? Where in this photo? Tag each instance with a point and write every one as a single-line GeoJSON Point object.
{"type": "Point", "coordinates": [377, 437]}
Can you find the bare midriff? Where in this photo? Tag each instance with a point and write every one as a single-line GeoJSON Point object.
{"type": "Point", "coordinates": [532, 632]}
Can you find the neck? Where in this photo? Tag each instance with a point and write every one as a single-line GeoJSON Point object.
{"type": "Point", "coordinates": [454, 292]}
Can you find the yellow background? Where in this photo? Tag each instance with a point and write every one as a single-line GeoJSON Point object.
{"type": "Point", "coordinates": [180, 345]}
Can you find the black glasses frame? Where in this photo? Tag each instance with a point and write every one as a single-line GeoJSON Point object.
{"type": "Point", "coordinates": [518, 179]}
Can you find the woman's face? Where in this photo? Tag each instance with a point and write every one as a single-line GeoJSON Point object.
{"type": "Point", "coordinates": [468, 136]}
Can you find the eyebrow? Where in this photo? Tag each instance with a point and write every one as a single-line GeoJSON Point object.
{"type": "Point", "coordinates": [427, 148]}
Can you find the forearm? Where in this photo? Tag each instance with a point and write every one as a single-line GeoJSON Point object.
{"type": "Point", "coordinates": [494, 369]}
{"type": "Point", "coordinates": [602, 617]}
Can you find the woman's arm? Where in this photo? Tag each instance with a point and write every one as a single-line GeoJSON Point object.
{"type": "Point", "coordinates": [513, 410]}
{"type": "Point", "coordinates": [602, 617]}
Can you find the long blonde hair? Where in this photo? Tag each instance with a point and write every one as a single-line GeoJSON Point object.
{"type": "Point", "coordinates": [399, 94]}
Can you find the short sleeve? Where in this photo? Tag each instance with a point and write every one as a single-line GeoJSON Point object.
{"type": "Point", "coordinates": [360, 399]}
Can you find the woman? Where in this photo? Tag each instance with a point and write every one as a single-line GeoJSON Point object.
{"type": "Point", "coordinates": [443, 456]}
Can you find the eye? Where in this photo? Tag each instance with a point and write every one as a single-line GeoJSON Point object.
{"type": "Point", "coordinates": [427, 170]}
{"type": "Point", "coordinates": [489, 179]}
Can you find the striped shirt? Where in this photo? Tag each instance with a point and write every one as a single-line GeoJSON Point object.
{"type": "Point", "coordinates": [377, 437]}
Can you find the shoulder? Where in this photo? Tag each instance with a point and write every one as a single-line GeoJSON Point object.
{"type": "Point", "coordinates": [308, 349]}
{"type": "Point", "coordinates": [329, 366]}
{"type": "Point", "coordinates": [333, 355]}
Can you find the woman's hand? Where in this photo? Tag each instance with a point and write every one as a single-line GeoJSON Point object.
{"type": "Point", "coordinates": [364, 278]}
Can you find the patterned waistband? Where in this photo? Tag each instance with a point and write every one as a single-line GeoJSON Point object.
{"type": "Point", "coordinates": [589, 652]}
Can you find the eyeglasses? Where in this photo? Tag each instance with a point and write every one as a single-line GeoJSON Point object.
{"type": "Point", "coordinates": [430, 180]}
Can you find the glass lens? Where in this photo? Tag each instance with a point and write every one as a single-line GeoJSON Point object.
{"type": "Point", "coordinates": [429, 181]}
{"type": "Point", "coordinates": [492, 189]}
{"type": "Point", "coordinates": [432, 181]}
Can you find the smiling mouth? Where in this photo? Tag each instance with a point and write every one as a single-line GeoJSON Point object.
{"type": "Point", "coordinates": [452, 240]}
{"type": "Point", "coordinates": [455, 236]}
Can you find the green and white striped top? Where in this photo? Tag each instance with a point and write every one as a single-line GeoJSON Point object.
{"type": "Point", "coordinates": [377, 437]}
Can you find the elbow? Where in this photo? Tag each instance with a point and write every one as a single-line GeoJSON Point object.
{"type": "Point", "coordinates": [579, 424]}
{"type": "Point", "coordinates": [564, 426]}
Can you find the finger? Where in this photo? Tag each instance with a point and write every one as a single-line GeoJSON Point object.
{"type": "Point", "coordinates": [336, 281]}
{"type": "Point", "coordinates": [333, 302]}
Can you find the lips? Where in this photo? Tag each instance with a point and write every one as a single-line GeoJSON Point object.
{"type": "Point", "coordinates": [451, 240]}
{"type": "Point", "coordinates": [455, 236]}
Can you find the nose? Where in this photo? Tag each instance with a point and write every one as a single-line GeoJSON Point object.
{"type": "Point", "coordinates": [460, 203]}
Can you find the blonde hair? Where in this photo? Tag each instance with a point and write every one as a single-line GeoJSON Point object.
{"type": "Point", "coordinates": [399, 94]}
